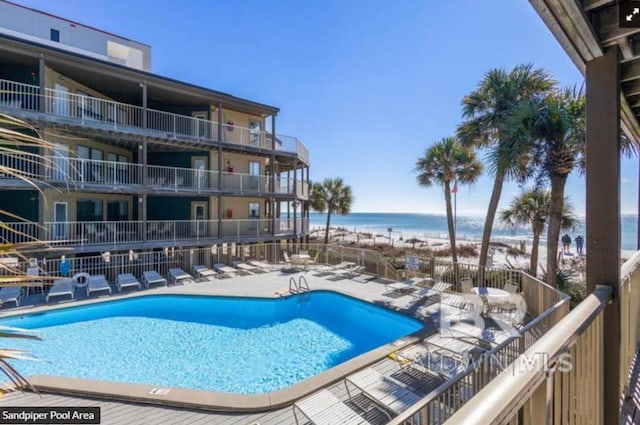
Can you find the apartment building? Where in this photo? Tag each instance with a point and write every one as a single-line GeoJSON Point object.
{"type": "Point", "coordinates": [138, 160]}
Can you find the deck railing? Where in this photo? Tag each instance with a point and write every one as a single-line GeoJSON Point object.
{"type": "Point", "coordinates": [84, 233]}
{"type": "Point", "coordinates": [116, 116]}
{"type": "Point", "coordinates": [79, 171]}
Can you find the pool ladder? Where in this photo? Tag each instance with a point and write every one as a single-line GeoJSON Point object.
{"type": "Point", "coordinates": [298, 287]}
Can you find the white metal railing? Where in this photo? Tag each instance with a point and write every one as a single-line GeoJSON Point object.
{"type": "Point", "coordinates": [181, 178]}
{"type": "Point", "coordinates": [80, 233]}
{"type": "Point", "coordinates": [121, 116]}
{"type": "Point", "coordinates": [248, 227]}
{"type": "Point", "coordinates": [19, 96]}
{"type": "Point", "coordinates": [178, 230]}
{"type": "Point", "coordinates": [284, 185]}
{"type": "Point", "coordinates": [25, 164]}
{"type": "Point", "coordinates": [302, 189]}
{"type": "Point", "coordinates": [80, 170]}
{"type": "Point", "coordinates": [239, 182]}
{"type": "Point", "coordinates": [20, 232]}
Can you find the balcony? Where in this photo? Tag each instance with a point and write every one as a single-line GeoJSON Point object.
{"type": "Point", "coordinates": [26, 101]}
{"type": "Point", "coordinates": [125, 234]}
{"type": "Point", "coordinates": [92, 174]}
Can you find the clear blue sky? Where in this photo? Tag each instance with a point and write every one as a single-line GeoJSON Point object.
{"type": "Point", "coordinates": [366, 85]}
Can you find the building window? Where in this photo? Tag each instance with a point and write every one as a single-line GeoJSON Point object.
{"type": "Point", "coordinates": [89, 210]}
{"type": "Point", "coordinates": [117, 211]}
{"type": "Point", "coordinates": [55, 35]}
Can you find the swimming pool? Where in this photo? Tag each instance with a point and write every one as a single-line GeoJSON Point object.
{"type": "Point", "coordinates": [221, 344]}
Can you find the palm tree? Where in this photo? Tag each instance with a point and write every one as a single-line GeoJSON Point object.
{"type": "Point", "coordinates": [533, 207]}
{"type": "Point", "coordinates": [552, 130]}
{"type": "Point", "coordinates": [486, 110]}
{"type": "Point", "coordinates": [444, 163]}
{"type": "Point", "coordinates": [332, 196]}
{"type": "Point", "coordinates": [17, 138]}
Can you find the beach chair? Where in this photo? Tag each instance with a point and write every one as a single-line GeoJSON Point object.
{"type": "Point", "coordinates": [348, 272]}
{"type": "Point", "coordinates": [11, 294]}
{"type": "Point", "coordinates": [324, 408]}
{"type": "Point", "coordinates": [247, 268]}
{"type": "Point", "coordinates": [177, 275]}
{"type": "Point", "coordinates": [327, 269]}
{"type": "Point", "coordinates": [61, 287]}
{"type": "Point", "coordinates": [97, 283]}
{"type": "Point", "coordinates": [127, 280]}
{"type": "Point", "coordinates": [264, 266]}
{"type": "Point", "coordinates": [203, 272]}
{"type": "Point", "coordinates": [152, 277]}
{"type": "Point", "coordinates": [434, 291]}
{"type": "Point", "coordinates": [224, 270]}
{"type": "Point", "coordinates": [385, 392]}
{"type": "Point", "coordinates": [36, 282]}
{"type": "Point", "coordinates": [402, 287]}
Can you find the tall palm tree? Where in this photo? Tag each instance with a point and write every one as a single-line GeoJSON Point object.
{"type": "Point", "coordinates": [486, 110]}
{"type": "Point", "coordinates": [533, 207]}
{"type": "Point", "coordinates": [552, 130]}
{"type": "Point", "coordinates": [445, 163]}
{"type": "Point", "coordinates": [332, 196]}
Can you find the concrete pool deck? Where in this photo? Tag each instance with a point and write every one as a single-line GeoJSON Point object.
{"type": "Point", "coordinates": [268, 285]}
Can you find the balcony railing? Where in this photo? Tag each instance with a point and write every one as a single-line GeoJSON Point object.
{"type": "Point", "coordinates": [244, 183]}
{"type": "Point", "coordinates": [115, 116]}
{"type": "Point", "coordinates": [83, 233]}
{"type": "Point", "coordinates": [111, 173]}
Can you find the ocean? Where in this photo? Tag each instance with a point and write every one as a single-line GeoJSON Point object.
{"type": "Point", "coordinates": [467, 227]}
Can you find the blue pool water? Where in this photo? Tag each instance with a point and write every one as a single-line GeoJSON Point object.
{"type": "Point", "coordinates": [234, 345]}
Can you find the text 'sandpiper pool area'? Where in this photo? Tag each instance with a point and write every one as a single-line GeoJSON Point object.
{"type": "Point", "coordinates": [222, 344]}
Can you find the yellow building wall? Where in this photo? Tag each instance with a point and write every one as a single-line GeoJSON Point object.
{"type": "Point", "coordinates": [52, 77]}
{"type": "Point", "coordinates": [240, 162]}
{"type": "Point", "coordinates": [240, 207]}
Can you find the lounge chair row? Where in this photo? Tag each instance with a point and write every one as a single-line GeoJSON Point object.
{"type": "Point", "coordinates": [99, 283]}
{"type": "Point", "coordinates": [437, 359]}
{"type": "Point", "coordinates": [391, 397]}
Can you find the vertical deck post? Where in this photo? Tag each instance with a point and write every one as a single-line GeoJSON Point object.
{"type": "Point", "coordinates": [272, 171]}
{"type": "Point", "coordinates": [219, 170]}
{"type": "Point", "coordinates": [142, 207]}
{"type": "Point", "coordinates": [603, 211]}
{"type": "Point", "coordinates": [42, 101]}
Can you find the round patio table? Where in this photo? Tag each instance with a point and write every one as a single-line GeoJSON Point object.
{"type": "Point", "coordinates": [490, 292]}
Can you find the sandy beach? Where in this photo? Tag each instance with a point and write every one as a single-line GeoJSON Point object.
{"type": "Point", "coordinates": [503, 252]}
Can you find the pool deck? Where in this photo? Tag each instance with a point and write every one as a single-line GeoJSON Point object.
{"type": "Point", "coordinates": [133, 409]}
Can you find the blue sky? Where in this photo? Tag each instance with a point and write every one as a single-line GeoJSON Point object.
{"type": "Point", "coordinates": [366, 85]}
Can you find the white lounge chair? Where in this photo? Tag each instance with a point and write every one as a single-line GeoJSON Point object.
{"type": "Point", "coordinates": [348, 272]}
{"type": "Point", "coordinates": [432, 291]}
{"type": "Point", "coordinates": [225, 270]}
{"type": "Point", "coordinates": [127, 280]}
{"type": "Point", "coordinates": [326, 269]}
{"type": "Point", "coordinates": [203, 272]}
{"type": "Point", "coordinates": [264, 266]}
{"type": "Point", "coordinates": [11, 294]}
{"type": "Point", "coordinates": [324, 408]}
{"type": "Point", "coordinates": [247, 268]}
{"type": "Point", "coordinates": [61, 287]}
{"type": "Point", "coordinates": [384, 391]}
{"type": "Point", "coordinates": [97, 283]}
{"type": "Point", "coordinates": [402, 287]}
{"type": "Point", "coordinates": [177, 275]}
{"type": "Point", "coordinates": [151, 277]}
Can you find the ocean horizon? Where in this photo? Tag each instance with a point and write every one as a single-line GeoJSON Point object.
{"type": "Point", "coordinates": [468, 226]}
